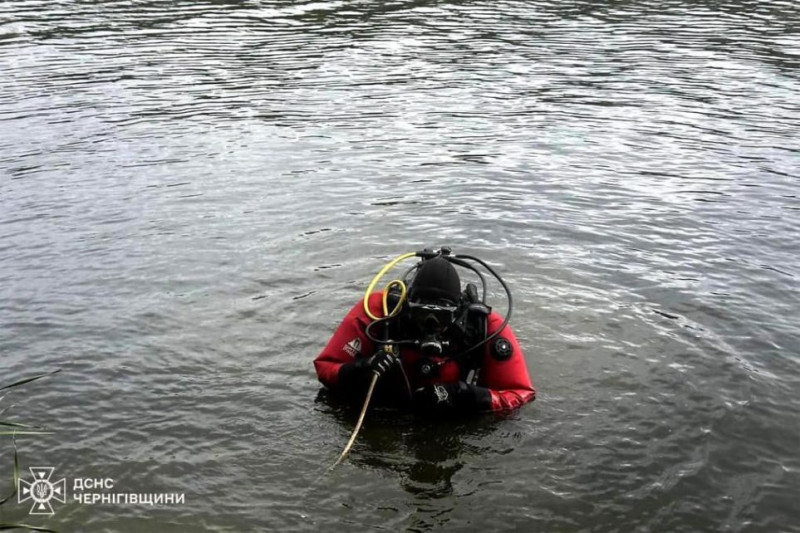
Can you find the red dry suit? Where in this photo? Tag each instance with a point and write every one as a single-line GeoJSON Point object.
{"type": "Point", "coordinates": [503, 372]}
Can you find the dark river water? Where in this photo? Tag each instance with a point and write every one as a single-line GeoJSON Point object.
{"type": "Point", "coordinates": [193, 193]}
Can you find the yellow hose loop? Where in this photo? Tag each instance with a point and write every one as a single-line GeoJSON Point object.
{"type": "Point", "coordinates": [399, 305]}
{"type": "Point", "coordinates": [378, 277]}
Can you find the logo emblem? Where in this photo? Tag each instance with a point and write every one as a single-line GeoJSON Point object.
{"type": "Point", "coordinates": [41, 490]}
{"type": "Point", "coordinates": [441, 393]}
{"type": "Point", "coordinates": [353, 347]}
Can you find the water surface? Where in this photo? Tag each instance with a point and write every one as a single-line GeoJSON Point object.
{"type": "Point", "coordinates": [192, 194]}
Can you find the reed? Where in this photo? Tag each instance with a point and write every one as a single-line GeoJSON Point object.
{"type": "Point", "coordinates": [12, 429]}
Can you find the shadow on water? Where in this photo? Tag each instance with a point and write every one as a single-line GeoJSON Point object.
{"type": "Point", "coordinates": [424, 453]}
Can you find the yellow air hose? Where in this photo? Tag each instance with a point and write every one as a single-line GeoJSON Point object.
{"type": "Point", "coordinates": [377, 278]}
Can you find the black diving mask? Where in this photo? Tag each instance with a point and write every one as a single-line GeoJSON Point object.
{"type": "Point", "coordinates": [430, 318]}
{"type": "Point", "coordinates": [432, 321]}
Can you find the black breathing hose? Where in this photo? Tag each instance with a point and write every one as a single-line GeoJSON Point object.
{"type": "Point", "coordinates": [464, 264]}
{"type": "Point", "coordinates": [510, 304]}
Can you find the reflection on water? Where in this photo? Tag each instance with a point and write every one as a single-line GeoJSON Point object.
{"type": "Point", "coordinates": [423, 454]}
{"type": "Point", "coordinates": [194, 193]}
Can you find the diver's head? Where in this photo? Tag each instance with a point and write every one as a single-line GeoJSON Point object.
{"type": "Point", "coordinates": [433, 299]}
{"type": "Point", "coordinates": [436, 280]}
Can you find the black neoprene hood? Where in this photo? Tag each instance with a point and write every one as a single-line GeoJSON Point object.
{"type": "Point", "coordinates": [436, 279]}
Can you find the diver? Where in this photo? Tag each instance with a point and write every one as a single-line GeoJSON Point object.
{"type": "Point", "coordinates": [431, 346]}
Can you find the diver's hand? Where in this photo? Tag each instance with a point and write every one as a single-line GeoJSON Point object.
{"type": "Point", "coordinates": [358, 373]}
{"type": "Point", "coordinates": [381, 362]}
{"type": "Point", "coordinates": [443, 398]}
{"type": "Point", "coordinates": [436, 397]}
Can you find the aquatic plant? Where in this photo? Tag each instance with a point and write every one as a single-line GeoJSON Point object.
{"type": "Point", "coordinates": [19, 429]}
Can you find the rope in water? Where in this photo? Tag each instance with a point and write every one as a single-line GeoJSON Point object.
{"type": "Point", "coordinates": [358, 424]}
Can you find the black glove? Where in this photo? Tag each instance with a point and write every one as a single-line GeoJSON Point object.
{"type": "Point", "coordinates": [358, 374]}
{"type": "Point", "coordinates": [444, 398]}
{"type": "Point", "coordinates": [381, 362]}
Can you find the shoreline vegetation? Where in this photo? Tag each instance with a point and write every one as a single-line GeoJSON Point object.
{"type": "Point", "coordinates": [11, 429]}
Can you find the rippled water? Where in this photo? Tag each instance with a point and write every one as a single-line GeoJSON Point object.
{"type": "Point", "coordinates": [194, 193]}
